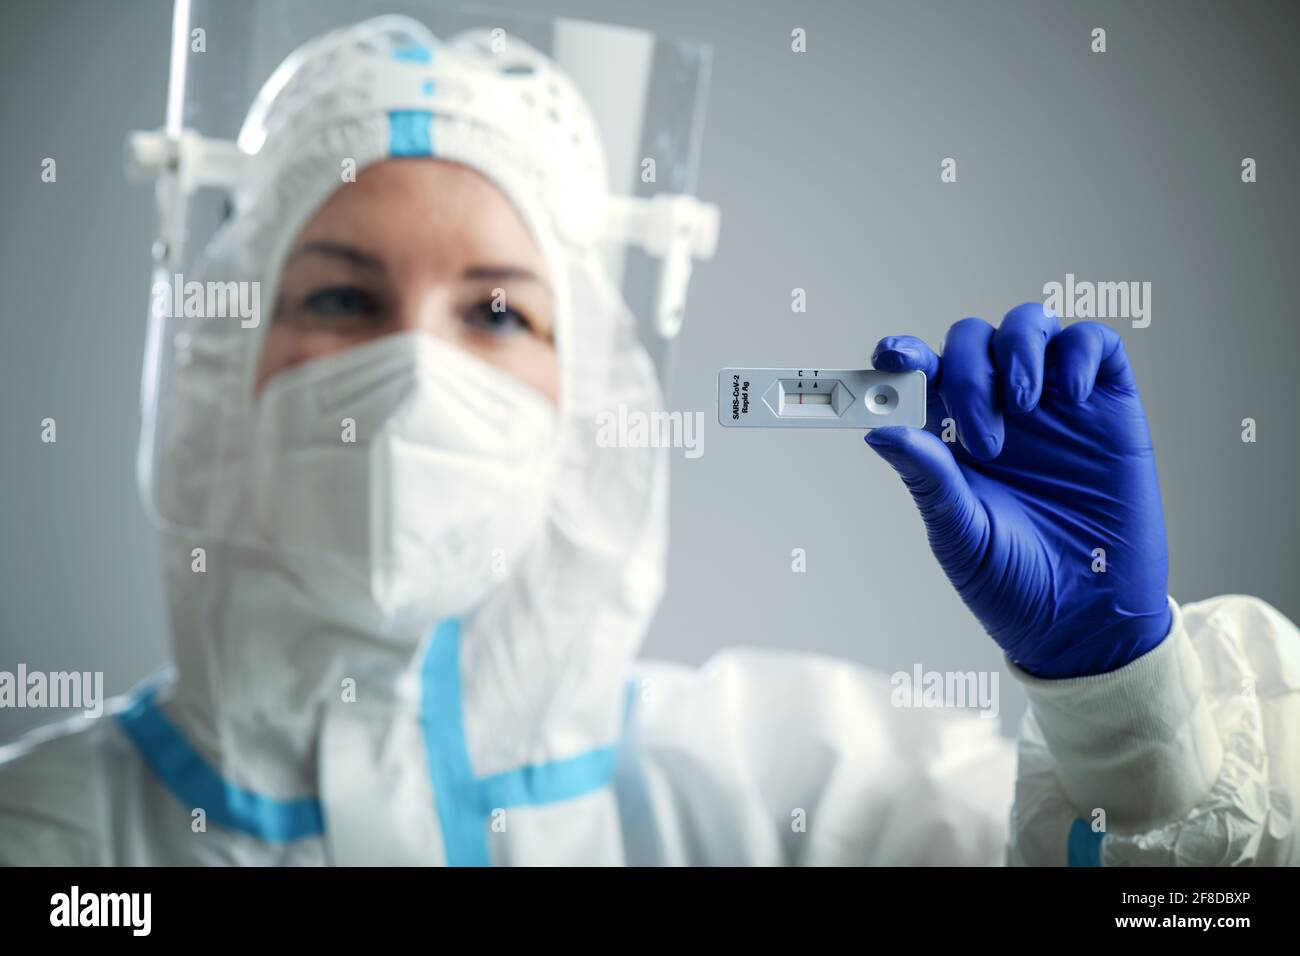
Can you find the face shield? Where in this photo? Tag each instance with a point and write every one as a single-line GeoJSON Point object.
{"type": "Point", "coordinates": [591, 134]}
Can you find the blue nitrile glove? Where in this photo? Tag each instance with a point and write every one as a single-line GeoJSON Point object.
{"type": "Point", "coordinates": [1055, 461]}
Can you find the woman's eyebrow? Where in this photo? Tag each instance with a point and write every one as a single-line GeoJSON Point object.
{"type": "Point", "coordinates": [504, 272]}
{"type": "Point", "coordinates": [339, 250]}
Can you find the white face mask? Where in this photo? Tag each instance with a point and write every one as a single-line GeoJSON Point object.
{"type": "Point", "coordinates": [419, 471]}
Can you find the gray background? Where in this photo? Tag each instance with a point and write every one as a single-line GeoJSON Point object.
{"type": "Point", "coordinates": [826, 165]}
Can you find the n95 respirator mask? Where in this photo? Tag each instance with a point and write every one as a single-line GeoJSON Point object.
{"type": "Point", "coordinates": [419, 473]}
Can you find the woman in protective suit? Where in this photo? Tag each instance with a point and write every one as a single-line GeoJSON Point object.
{"type": "Point", "coordinates": [407, 584]}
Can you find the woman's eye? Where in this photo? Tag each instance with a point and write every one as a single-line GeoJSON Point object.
{"type": "Point", "coordinates": [499, 320]}
{"type": "Point", "coordinates": [341, 302]}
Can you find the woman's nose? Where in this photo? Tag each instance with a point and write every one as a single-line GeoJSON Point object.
{"type": "Point", "coordinates": [425, 308]}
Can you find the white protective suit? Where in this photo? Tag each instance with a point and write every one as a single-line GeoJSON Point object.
{"type": "Point", "coordinates": [302, 728]}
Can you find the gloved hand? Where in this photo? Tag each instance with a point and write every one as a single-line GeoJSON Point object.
{"type": "Point", "coordinates": [1054, 462]}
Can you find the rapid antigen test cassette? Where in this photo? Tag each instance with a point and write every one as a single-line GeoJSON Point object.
{"type": "Point", "coordinates": [819, 398]}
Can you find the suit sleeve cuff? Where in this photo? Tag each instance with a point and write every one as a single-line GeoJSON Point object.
{"type": "Point", "coordinates": [1139, 742]}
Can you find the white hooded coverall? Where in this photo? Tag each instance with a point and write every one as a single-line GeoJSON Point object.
{"type": "Point", "coordinates": [523, 731]}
